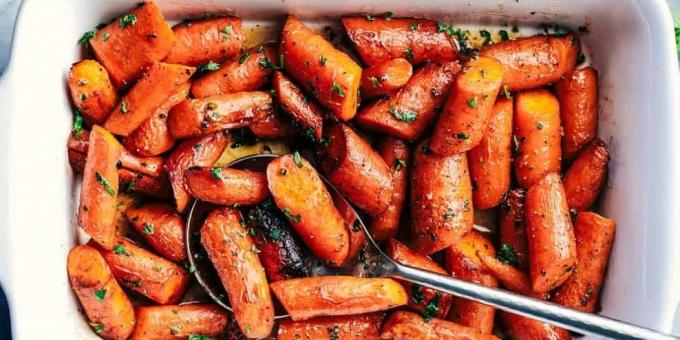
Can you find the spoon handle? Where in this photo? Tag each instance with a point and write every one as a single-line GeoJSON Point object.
{"type": "Point", "coordinates": [577, 321]}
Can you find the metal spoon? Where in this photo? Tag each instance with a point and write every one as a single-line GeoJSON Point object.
{"type": "Point", "coordinates": [383, 266]}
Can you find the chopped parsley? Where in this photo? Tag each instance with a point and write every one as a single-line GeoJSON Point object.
{"type": "Point", "coordinates": [540, 126]}
{"type": "Point", "coordinates": [78, 124]}
{"type": "Point", "coordinates": [413, 26]}
{"type": "Point", "coordinates": [323, 60]}
{"type": "Point", "coordinates": [87, 36]}
{"type": "Point", "coordinates": [375, 82]}
{"type": "Point", "coordinates": [507, 254]}
{"type": "Point", "coordinates": [448, 215]}
{"type": "Point", "coordinates": [333, 332]}
{"type": "Point", "coordinates": [388, 15]}
{"type": "Point", "coordinates": [291, 217]}
{"type": "Point", "coordinates": [504, 35]}
{"type": "Point", "coordinates": [105, 36]}
{"type": "Point", "coordinates": [462, 136]}
{"type": "Point", "coordinates": [506, 92]}
{"type": "Point", "coordinates": [98, 328]}
{"type": "Point", "coordinates": [100, 294]}
{"type": "Point", "coordinates": [404, 116]}
{"type": "Point", "coordinates": [432, 308]}
{"type": "Point", "coordinates": [127, 19]}
{"type": "Point", "coordinates": [216, 172]}
{"type": "Point", "coordinates": [254, 250]}
{"type": "Point", "coordinates": [105, 183]}
{"type": "Point", "coordinates": [417, 294]}
{"type": "Point", "coordinates": [148, 228]}
{"type": "Point", "coordinates": [208, 67]}
{"type": "Point", "coordinates": [399, 164]}
{"type": "Point", "coordinates": [243, 58]}
{"type": "Point", "coordinates": [487, 37]}
{"type": "Point", "coordinates": [197, 337]}
{"type": "Point", "coordinates": [275, 235]}
{"type": "Point", "coordinates": [297, 159]}
{"type": "Point", "coordinates": [442, 27]}
{"type": "Point", "coordinates": [266, 63]}
{"type": "Point", "coordinates": [175, 328]}
{"type": "Point", "coordinates": [120, 250]}
{"type": "Point", "coordinates": [408, 53]}
{"type": "Point", "coordinates": [228, 31]}
{"type": "Point", "coordinates": [337, 89]}
{"type": "Point", "coordinates": [472, 102]}
{"type": "Point", "coordinates": [370, 17]}
{"type": "Point", "coordinates": [123, 107]}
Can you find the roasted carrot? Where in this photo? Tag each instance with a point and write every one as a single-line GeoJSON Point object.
{"type": "Point", "coordinates": [408, 325]}
{"type": "Point", "coordinates": [99, 190]}
{"type": "Point", "coordinates": [512, 229]}
{"type": "Point", "coordinates": [577, 94]}
{"type": "Point", "coordinates": [304, 111]}
{"type": "Point", "coordinates": [194, 117]}
{"type": "Point", "coordinates": [355, 169]}
{"type": "Point", "coordinates": [226, 186]}
{"type": "Point", "coordinates": [550, 234]}
{"type": "Point", "coordinates": [198, 151]}
{"type": "Point", "coordinates": [397, 155]}
{"type": "Point", "coordinates": [302, 196]}
{"type": "Point", "coordinates": [380, 39]}
{"type": "Point", "coordinates": [594, 238]}
{"type": "Point", "coordinates": [234, 255]}
{"type": "Point", "coordinates": [329, 74]}
{"type": "Point", "coordinates": [586, 176]}
{"type": "Point", "coordinates": [349, 327]}
{"type": "Point", "coordinates": [204, 40]}
{"type": "Point", "coordinates": [179, 321]}
{"type": "Point", "coordinates": [153, 89]}
{"type": "Point", "coordinates": [410, 111]}
{"type": "Point", "coordinates": [536, 136]}
{"type": "Point", "coordinates": [534, 61]}
{"type": "Point", "coordinates": [491, 159]}
{"type": "Point", "coordinates": [521, 328]}
{"type": "Point", "coordinates": [385, 77]}
{"type": "Point", "coordinates": [162, 227]}
{"type": "Point", "coordinates": [441, 199]}
{"type": "Point", "coordinates": [136, 40]}
{"type": "Point", "coordinates": [274, 125]}
{"type": "Point", "coordinates": [512, 278]}
{"type": "Point", "coordinates": [357, 236]}
{"type": "Point", "coordinates": [77, 161]}
{"type": "Point", "coordinates": [305, 298]}
{"type": "Point", "coordinates": [91, 91]}
{"type": "Point", "coordinates": [107, 307]}
{"type": "Point", "coordinates": [138, 182]}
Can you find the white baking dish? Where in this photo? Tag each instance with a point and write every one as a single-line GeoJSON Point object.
{"type": "Point", "coordinates": [632, 47]}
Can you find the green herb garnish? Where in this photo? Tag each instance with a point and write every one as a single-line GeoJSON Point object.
{"type": "Point", "coordinates": [78, 125]}
{"type": "Point", "coordinates": [87, 36]}
{"type": "Point", "coordinates": [120, 250]}
{"type": "Point", "coordinates": [100, 294]}
{"type": "Point", "coordinates": [209, 66]}
{"type": "Point", "coordinates": [243, 58]}
{"type": "Point", "coordinates": [98, 328]}
{"type": "Point", "coordinates": [472, 102]}
{"type": "Point", "coordinates": [290, 216]}
{"type": "Point", "coordinates": [399, 164]}
{"type": "Point", "coordinates": [105, 183]}
{"type": "Point", "coordinates": [404, 116]}
{"type": "Point", "coordinates": [408, 53]}
{"type": "Point", "coordinates": [462, 136]}
{"type": "Point", "coordinates": [297, 159]}
{"type": "Point", "coordinates": [148, 228]}
{"type": "Point", "coordinates": [337, 89]}
{"type": "Point", "coordinates": [507, 254]}
{"type": "Point", "coordinates": [123, 107]}
{"type": "Point", "coordinates": [127, 19]}
{"type": "Point", "coordinates": [323, 60]}
{"type": "Point", "coordinates": [432, 308]}
{"type": "Point", "coordinates": [216, 173]}
{"type": "Point", "coordinates": [487, 37]}
{"type": "Point", "coordinates": [506, 92]}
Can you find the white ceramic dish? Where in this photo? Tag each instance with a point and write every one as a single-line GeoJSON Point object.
{"type": "Point", "coordinates": [632, 47]}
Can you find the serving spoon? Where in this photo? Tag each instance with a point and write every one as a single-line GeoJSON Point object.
{"type": "Point", "coordinates": [381, 265]}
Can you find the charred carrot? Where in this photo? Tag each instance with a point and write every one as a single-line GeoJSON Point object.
{"type": "Point", "coordinates": [304, 111]}
{"type": "Point", "coordinates": [91, 91]}
{"type": "Point", "coordinates": [586, 176]}
{"type": "Point", "coordinates": [383, 78]}
{"type": "Point", "coordinates": [408, 325]}
{"type": "Point", "coordinates": [162, 227]}
{"type": "Point", "coordinates": [274, 125]}
{"type": "Point", "coordinates": [179, 321]}
{"type": "Point", "coordinates": [577, 94]}
{"type": "Point", "coordinates": [351, 327]}
{"type": "Point", "coordinates": [512, 229]}
{"type": "Point", "coordinates": [138, 182]}
{"type": "Point", "coordinates": [226, 186]}
{"type": "Point", "coordinates": [397, 155]}
{"type": "Point", "coordinates": [204, 40]}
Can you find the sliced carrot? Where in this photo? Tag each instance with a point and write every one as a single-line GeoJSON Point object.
{"type": "Point", "coordinates": [521, 328]}
{"type": "Point", "coordinates": [204, 40]}
{"type": "Point", "coordinates": [304, 111]}
{"type": "Point", "coordinates": [408, 325]}
{"type": "Point", "coordinates": [179, 321]}
{"type": "Point", "coordinates": [274, 125]}
{"type": "Point", "coordinates": [512, 278]}
{"type": "Point", "coordinates": [397, 155]}
{"type": "Point", "coordinates": [513, 233]}
{"type": "Point", "coordinates": [577, 94]}
{"type": "Point", "coordinates": [586, 176]}
{"type": "Point", "coordinates": [138, 182]}
{"type": "Point", "coordinates": [226, 186]}
{"type": "Point", "coordinates": [383, 78]}
{"type": "Point", "coordinates": [349, 327]}
{"type": "Point", "coordinates": [91, 91]}
{"type": "Point", "coordinates": [162, 227]}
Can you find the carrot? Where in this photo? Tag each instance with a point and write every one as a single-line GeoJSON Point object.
{"type": "Point", "coordinates": [397, 155]}
{"type": "Point", "coordinates": [550, 235]}
{"type": "Point", "coordinates": [330, 74]}
{"type": "Point", "coordinates": [420, 298]}
{"type": "Point", "coordinates": [441, 199]}
{"type": "Point", "coordinates": [534, 61]}
{"type": "Point", "coordinates": [355, 169]}
{"type": "Point", "coordinates": [194, 117]}
{"type": "Point", "coordinates": [357, 236]}
{"type": "Point", "coordinates": [299, 192]}
{"type": "Point", "coordinates": [198, 151]}
{"type": "Point", "coordinates": [594, 238]}
{"type": "Point", "coordinates": [136, 40]}
{"type": "Point", "coordinates": [107, 307]}
{"type": "Point", "coordinates": [247, 72]}
{"type": "Point", "coordinates": [410, 111]}
{"type": "Point", "coordinates": [162, 227]}
{"type": "Point", "coordinates": [204, 40]}
{"type": "Point", "coordinates": [586, 176]}
{"type": "Point", "coordinates": [305, 298]}
{"type": "Point", "coordinates": [91, 91]}
{"type": "Point", "coordinates": [274, 125]}
{"type": "Point", "coordinates": [226, 186]}
{"type": "Point", "coordinates": [577, 94]}
{"type": "Point", "coordinates": [466, 114]}
{"type": "Point", "coordinates": [77, 161]}
{"type": "Point", "coordinates": [513, 235]}
{"type": "Point", "coordinates": [179, 321]}
{"type": "Point", "coordinates": [521, 328]}
{"type": "Point", "coordinates": [350, 327]}
{"type": "Point", "coordinates": [380, 39]}
{"type": "Point", "coordinates": [305, 112]}
{"type": "Point", "coordinates": [408, 325]}
{"type": "Point", "coordinates": [234, 255]}
{"type": "Point", "coordinates": [491, 159]}
{"type": "Point", "coordinates": [536, 136]}
{"type": "Point", "coordinates": [138, 182]}
{"type": "Point", "coordinates": [512, 278]}
{"type": "Point", "coordinates": [153, 89]}
{"type": "Point", "coordinates": [97, 211]}
{"type": "Point", "coordinates": [140, 270]}
{"type": "Point", "coordinates": [385, 77]}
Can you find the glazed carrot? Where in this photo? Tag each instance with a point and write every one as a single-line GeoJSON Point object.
{"type": "Point", "coordinates": [397, 155]}
{"type": "Point", "coordinates": [293, 101]}
{"type": "Point", "coordinates": [534, 61]}
{"type": "Point", "coordinates": [357, 236]}
{"type": "Point", "coordinates": [521, 328]}
{"type": "Point", "coordinates": [420, 297]}
{"type": "Point", "coordinates": [441, 199]}
{"type": "Point", "coordinates": [410, 111]}
{"type": "Point", "coordinates": [594, 238]}
{"type": "Point", "coordinates": [140, 270]}
{"type": "Point", "coordinates": [91, 91]}
{"type": "Point", "coordinates": [132, 42]}
{"type": "Point", "coordinates": [491, 159]}
{"type": "Point", "coordinates": [512, 278]}
{"type": "Point", "coordinates": [247, 72]}
{"type": "Point", "coordinates": [204, 40]}
{"type": "Point", "coordinates": [99, 190]}
{"type": "Point", "coordinates": [381, 39]}
{"type": "Point", "coordinates": [466, 114]}
{"type": "Point", "coordinates": [309, 297]}
{"type": "Point", "coordinates": [234, 255]}
{"type": "Point", "coordinates": [330, 74]}
{"type": "Point", "coordinates": [179, 321]}
{"type": "Point", "coordinates": [76, 160]}
{"type": "Point", "coordinates": [408, 325]}
{"type": "Point", "coordinates": [385, 77]}
{"type": "Point", "coordinates": [350, 327]}
{"type": "Point", "coordinates": [107, 307]}
{"type": "Point", "coordinates": [513, 235]}
{"type": "Point", "coordinates": [274, 125]}
{"type": "Point", "coordinates": [536, 136]}
{"type": "Point", "coordinates": [550, 235]}
{"type": "Point", "coordinates": [586, 176]}
{"type": "Point", "coordinates": [355, 169]}
{"type": "Point", "coordinates": [138, 182]}
{"type": "Point", "coordinates": [153, 89]}
{"type": "Point", "coordinates": [577, 94]}
{"type": "Point", "coordinates": [299, 192]}
{"type": "Point", "coordinates": [194, 117]}
{"type": "Point", "coordinates": [198, 151]}
{"type": "Point", "coordinates": [162, 227]}
{"type": "Point", "coordinates": [226, 186]}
